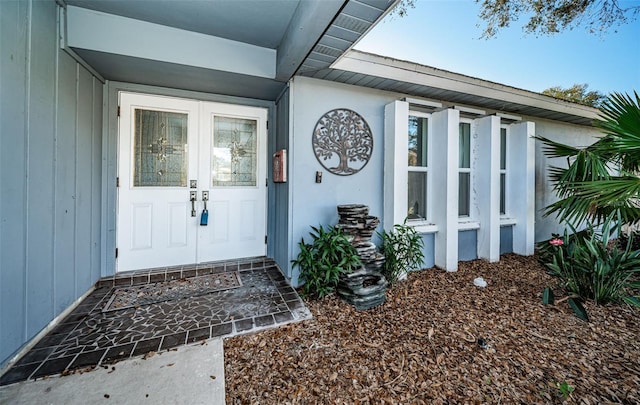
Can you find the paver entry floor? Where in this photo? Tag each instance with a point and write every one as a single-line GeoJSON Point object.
{"type": "Point", "coordinates": [90, 337]}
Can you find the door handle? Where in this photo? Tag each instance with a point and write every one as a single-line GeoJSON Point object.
{"type": "Point", "coordinates": [204, 218]}
{"type": "Point", "coordinates": [193, 195]}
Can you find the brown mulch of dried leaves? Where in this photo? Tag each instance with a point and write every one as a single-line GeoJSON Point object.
{"type": "Point", "coordinates": [420, 347]}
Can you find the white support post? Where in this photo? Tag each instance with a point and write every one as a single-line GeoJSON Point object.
{"type": "Point", "coordinates": [396, 140]}
{"type": "Point", "coordinates": [487, 186]}
{"type": "Point", "coordinates": [444, 165]}
{"type": "Point", "coordinates": [521, 186]}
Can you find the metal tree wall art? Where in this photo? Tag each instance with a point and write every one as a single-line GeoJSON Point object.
{"type": "Point", "coordinates": [342, 142]}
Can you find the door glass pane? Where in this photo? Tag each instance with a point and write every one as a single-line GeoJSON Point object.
{"type": "Point", "coordinates": [418, 141]}
{"type": "Point", "coordinates": [503, 148]}
{"type": "Point", "coordinates": [464, 194]}
{"type": "Point", "coordinates": [417, 204]}
{"type": "Point", "coordinates": [234, 152]}
{"type": "Point", "coordinates": [464, 160]}
{"type": "Point", "coordinates": [160, 145]}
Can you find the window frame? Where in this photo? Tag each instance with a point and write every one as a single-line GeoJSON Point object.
{"type": "Point", "coordinates": [505, 172]}
{"type": "Point", "coordinates": [470, 170]}
{"type": "Point", "coordinates": [421, 169]}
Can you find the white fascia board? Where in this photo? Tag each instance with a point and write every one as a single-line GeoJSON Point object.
{"type": "Point", "coordinates": [102, 32]}
{"type": "Point", "coordinates": [375, 65]}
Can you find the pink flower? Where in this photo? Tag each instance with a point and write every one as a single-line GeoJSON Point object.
{"type": "Point", "coordinates": [556, 242]}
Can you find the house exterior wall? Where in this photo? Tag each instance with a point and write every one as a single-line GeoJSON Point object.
{"type": "Point", "coordinates": [313, 204]}
{"type": "Point", "coordinates": [544, 196]}
{"type": "Point", "coordinates": [50, 167]}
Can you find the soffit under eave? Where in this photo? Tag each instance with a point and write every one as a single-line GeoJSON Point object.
{"type": "Point", "coordinates": [447, 96]}
{"type": "Point", "coordinates": [353, 21]}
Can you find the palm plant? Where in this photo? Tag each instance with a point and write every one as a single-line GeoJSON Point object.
{"type": "Point", "coordinates": [601, 178]}
{"type": "Point", "coordinates": [601, 185]}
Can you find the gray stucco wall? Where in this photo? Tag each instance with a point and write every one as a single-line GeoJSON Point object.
{"type": "Point", "coordinates": [467, 245]}
{"type": "Point", "coordinates": [506, 239]}
{"type": "Point", "coordinates": [569, 134]}
{"type": "Point", "coordinates": [50, 166]}
{"type": "Point", "coordinates": [313, 203]}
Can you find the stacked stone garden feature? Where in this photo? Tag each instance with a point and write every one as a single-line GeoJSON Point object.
{"type": "Point", "coordinates": [366, 287]}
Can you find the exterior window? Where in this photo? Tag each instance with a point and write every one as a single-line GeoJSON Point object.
{"type": "Point", "coordinates": [464, 170]}
{"type": "Point", "coordinates": [418, 166]}
{"type": "Point", "coordinates": [503, 171]}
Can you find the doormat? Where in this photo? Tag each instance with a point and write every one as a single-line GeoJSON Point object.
{"type": "Point", "coordinates": [153, 293]}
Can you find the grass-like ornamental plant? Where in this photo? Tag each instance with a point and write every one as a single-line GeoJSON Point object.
{"type": "Point", "coordinates": [322, 261]}
{"type": "Point", "coordinates": [402, 248]}
{"type": "Point", "coordinates": [589, 267]}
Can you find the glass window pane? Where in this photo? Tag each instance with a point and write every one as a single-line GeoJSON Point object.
{"type": "Point", "coordinates": [503, 197]}
{"type": "Point", "coordinates": [160, 144]}
{"type": "Point", "coordinates": [418, 141]}
{"type": "Point", "coordinates": [234, 152]}
{"type": "Point", "coordinates": [464, 188]}
{"type": "Point", "coordinates": [417, 204]}
{"type": "Point", "coordinates": [464, 160]}
{"type": "Point", "coordinates": [503, 148]}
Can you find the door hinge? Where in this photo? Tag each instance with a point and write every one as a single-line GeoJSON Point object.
{"type": "Point", "coordinates": [266, 182]}
{"type": "Point", "coordinates": [116, 253]}
{"type": "Point", "coordinates": [117, 181]}
{"type": "Point", "coordinates": [118, 111]}
{"type": "Point", "coordinates": [265, 239]}
{"type": "Point", "coordinates": [267, 124]}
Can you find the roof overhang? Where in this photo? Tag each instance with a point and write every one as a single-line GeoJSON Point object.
{"type": "Point", "coordinates": [415, 80]}
{"type": "Point", "coordinates": [248, 48]}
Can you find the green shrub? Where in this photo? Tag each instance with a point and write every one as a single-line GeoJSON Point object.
{"type": "Point", "coordinates": [402, 249]}
{"type": "Point", "coordinates": [323, 261]}
{"type": "Point", "coordinates": [589, 268]}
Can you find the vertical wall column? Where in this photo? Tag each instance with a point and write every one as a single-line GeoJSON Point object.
{"type": "Point", "coordinates": [444, 164]}
{"type": "Point", "coordinates": [487, 185]}
{"type": "Point", "coordinates": [396, 177]}
{"type": "Point", "coordinates": [521, 185]}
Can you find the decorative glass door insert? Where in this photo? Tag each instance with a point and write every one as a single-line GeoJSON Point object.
{"type": "Point", "coordinates": [234, 162]}
{"type": "Point", "coordinates": [160, 149]}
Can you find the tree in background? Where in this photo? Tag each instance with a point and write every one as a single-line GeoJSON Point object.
{"type": "Point", "coordinates": [548, 16]}
{"type": "Point", "coordinates": [578, 94]}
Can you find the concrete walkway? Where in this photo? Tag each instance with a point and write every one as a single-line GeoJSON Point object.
{"type": "Point", "coordinates": [192, 374]}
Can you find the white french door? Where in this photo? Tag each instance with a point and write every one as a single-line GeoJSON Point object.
{"type": "Point", "coordinates": [172, 151]}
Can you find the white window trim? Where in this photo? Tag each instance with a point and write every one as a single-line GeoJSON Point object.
{"type": "Point", "coordinates": [423, 225]}
{"type": "Point", "coordinates": [471, 217]}
{"type": "Point", "coordinates": [466, 225]}
{"type": "Point", "coordinates": [505, 171]}
{"type": "Point", "coordinates": [506, 221]}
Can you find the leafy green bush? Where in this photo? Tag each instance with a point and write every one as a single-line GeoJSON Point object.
{"type": "Point", "coordinates": [402, 249]}
{"type": "Point", "coordinates": [591, 269]}
{"type": "Point", "coordinates": [323, 261]}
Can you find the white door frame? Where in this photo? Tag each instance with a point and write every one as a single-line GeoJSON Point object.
{"type": "Point", "coordinates": [199, 121]}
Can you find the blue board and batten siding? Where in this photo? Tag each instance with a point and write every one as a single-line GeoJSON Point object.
{"type": "Point", "coordinates": [279, 194]}
{"type": "Point", "coordinates": [50, 174]}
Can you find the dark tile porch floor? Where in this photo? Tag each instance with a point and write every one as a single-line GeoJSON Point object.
{"type": "Point", "coordinates": [89, 337]}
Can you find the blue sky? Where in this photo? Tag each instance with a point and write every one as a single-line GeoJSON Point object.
{"type": "Point", "coordinates": [446, 34]}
